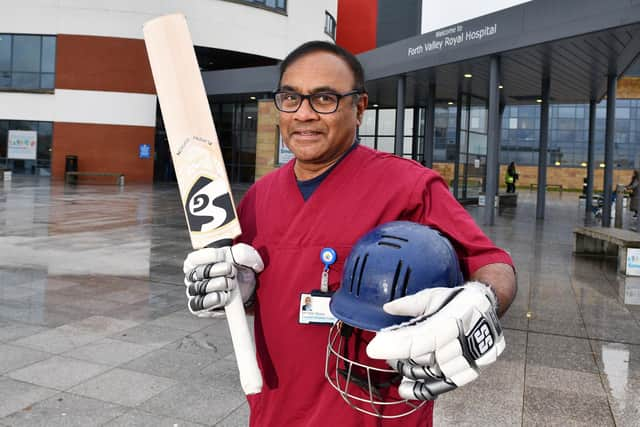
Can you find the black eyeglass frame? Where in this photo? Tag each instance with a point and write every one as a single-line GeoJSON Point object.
{"type": "Point", "coordinates": [309, 96]}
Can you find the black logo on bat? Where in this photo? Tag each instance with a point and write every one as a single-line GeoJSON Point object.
{"type": "Point", "coordinates": [209, 205]}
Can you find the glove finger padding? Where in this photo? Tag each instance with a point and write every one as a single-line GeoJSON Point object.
{"type": "Point", "coordinates": [203, 257]}
{"type": "Point", "coordinates": [442, 347]}
{"type": "Point", "coordinates": [212, 274]}
{"type": "Point", "coordinates": [202, 304]}
{"type": "Point", "coordinates": [210, 285]}
{"type": "Point", "coordinates": [424, 390]}
{"type": "Point", "coordinates": [209, 271]}
{"type": "Point", "coordinates": [416, 371]}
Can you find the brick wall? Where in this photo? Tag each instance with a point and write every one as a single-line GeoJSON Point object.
{"type": "Point", "coordinates": [102, 63]}
{"type": "Point", "coordinates": [103, 148]}
{"type": "Point", "coordinates": [267, 138]}
{"type": "Point", "coordinates": [569, 178]}
{"type": "Point", "coordinates": [628, 88]}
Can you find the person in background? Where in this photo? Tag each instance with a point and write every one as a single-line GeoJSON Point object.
{"type": "Point", "coordinates": [634, 202]}
{"type": "Point", "coordinates": [511, 177]}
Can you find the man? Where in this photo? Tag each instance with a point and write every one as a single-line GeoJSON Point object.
{"type": "Point", "coordinates": [307, 306]}
{"type": "Point", "coordinates": [330, 195]}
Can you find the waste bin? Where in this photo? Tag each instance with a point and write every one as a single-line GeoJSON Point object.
{"type": "Point", "coordinates": [71, 165]}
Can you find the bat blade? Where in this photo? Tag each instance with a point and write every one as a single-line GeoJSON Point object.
{"type": "Point", "coordinates": [204, 188]}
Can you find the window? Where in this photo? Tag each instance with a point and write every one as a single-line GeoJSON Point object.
{"type": "Point", "coordinates": [40, 164]}
{"type": "Point", "coordinates": [568, 134]}
{"type": "Point", "coordinates": [276, 5]}
{"type": "Point", "coordinates": [330, 25]}
{"type": "Point", "coordinates": [387, 122]}
{"type": "Point", "coordinates": [27, 62]}
{"type": "Point", "coordinates": [368, 126]}
{"type": "Point", "coordinates": [378, 129]}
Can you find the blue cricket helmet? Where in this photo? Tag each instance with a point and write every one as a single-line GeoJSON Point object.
{"type": "Point", "coordinates": [391, 261]}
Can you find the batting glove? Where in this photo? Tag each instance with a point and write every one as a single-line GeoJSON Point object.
{"type": "Point", "coordinates": [454, 332]}
{"type": "Point", "coordinates": [211, 274]}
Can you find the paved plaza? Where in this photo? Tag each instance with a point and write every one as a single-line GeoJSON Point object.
{"type": "Point", "coordinates": [94, 329]}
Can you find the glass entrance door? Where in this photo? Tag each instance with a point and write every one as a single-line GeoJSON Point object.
{"type": "Point", "coordinates": [236, 125]}
{"type": "Point", "coordinates": [472, 156]}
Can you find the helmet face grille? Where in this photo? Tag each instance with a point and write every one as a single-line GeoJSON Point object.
{"type": "Point", "coordinates": [368, 389]}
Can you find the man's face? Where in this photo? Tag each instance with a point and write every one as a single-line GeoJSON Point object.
{"type": "Point", "coordinates": [319, 139]}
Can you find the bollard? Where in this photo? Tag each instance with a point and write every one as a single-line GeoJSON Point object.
{"type": "Point", "coordinates": [619, 198]}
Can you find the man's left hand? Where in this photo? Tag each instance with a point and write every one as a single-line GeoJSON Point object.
{"type": "Point", "coordinates": [454, 331]}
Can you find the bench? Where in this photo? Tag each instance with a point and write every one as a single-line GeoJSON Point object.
{"type": "Point", "coordinates": [606, 241]}
{"type": "Point", "coordinates": [119, 177]}
{"type": "Point", "coordinates": [548, 186]}
{"type": "Point", "coordinates": [507, 200]}
{"type": "Point", "coordinates": [502, 200]}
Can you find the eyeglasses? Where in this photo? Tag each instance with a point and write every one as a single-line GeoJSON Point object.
{"type": "Point", "coordinates": [321, 102]}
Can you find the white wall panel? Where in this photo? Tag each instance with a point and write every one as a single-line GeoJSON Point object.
{"type": "Point", "coordinates": [80, 106]}
{"type": "Point", "coordinates": [213, 23]}
{"type": "Point", "coordinates": [438, 14]}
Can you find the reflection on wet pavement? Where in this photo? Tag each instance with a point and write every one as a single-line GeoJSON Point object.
{"type": "Point", "coordinates": [93, 329]}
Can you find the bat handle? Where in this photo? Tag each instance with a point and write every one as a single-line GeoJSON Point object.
{"type": "Point", "coordinates": [241, 337]}
{"type": "Point", "coordinates": [250, 376]}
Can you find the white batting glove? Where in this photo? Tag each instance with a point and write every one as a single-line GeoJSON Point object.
{"type": "Point", "coordinates": [211, 274]}
{"type": "Point", "coordinates": [454, 332]}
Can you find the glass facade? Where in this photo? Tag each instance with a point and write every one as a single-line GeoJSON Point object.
{"type": "Point", "coordinates": [379, 126]}
{"type": "Point", "coordinates": [520, 133]}
{"type": "Point", "coordinates": [569, 133]}
{"type": "Point", "coordinates": [237, 124]}
{"type": "Point", "coordinates": [41, 165]}
{"type": "Point", "coordinates": [444, 141]}
{"type": "Point", "coordinates": [472, 157]}
{"type": "Point", "coordinates": [27, 62]}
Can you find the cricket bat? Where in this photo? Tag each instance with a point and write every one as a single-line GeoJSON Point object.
{"type": "Point", "coordinates": [199, 165]}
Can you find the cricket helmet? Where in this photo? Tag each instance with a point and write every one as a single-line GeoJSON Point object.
{"type": "Point", "coordinates": [391, 261]}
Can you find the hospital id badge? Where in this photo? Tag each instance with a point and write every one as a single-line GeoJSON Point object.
{"type": "Point", "coordinates": [314, 309]}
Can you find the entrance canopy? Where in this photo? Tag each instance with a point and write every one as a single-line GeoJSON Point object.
{"type": "Point", "coordinates": [545, 51]}
{"type": "Point", "coordinates": [576, 43]}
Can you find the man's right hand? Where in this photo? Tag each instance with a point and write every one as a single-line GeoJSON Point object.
{"type": "Point", "coordinates": [211, 274]}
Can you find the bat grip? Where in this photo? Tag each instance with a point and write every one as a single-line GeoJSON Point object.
{"type": "Point", "coordinates": [250, 375]}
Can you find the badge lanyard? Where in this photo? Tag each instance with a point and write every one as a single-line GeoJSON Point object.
{"type": "Point", "coordinates": [328, 257]}
{"type": "Point", "coordinates": [314, 306]}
